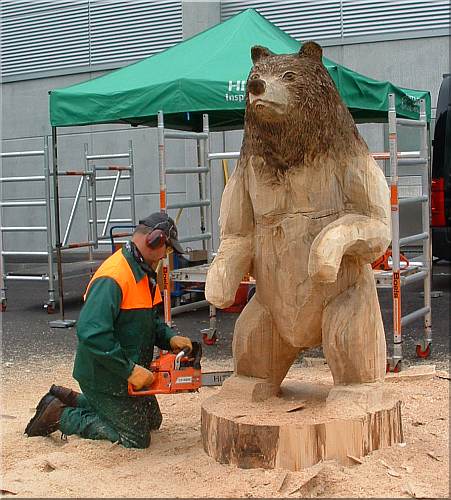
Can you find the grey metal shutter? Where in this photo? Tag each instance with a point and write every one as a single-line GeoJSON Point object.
{"type": "Point", "coordinates": [302, 20]}
{"type": "Point", "coordinates": [383, 17]}
{"type": "Point", "coordinates": [349, 18]}
{"type": "Point", "coordinates": [123, 31]}
{"type": "Point", "coordinates": [43, 35]}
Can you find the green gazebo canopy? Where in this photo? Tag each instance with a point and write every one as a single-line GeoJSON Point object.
{"type": "Point", "coordinates": [207, 74]}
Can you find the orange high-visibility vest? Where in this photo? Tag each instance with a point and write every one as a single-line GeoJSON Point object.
{"type": "Point", "coordinates": [135, 295]}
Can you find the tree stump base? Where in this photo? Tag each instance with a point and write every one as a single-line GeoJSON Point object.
{"type": "Point", "coordinates": [305, 424]}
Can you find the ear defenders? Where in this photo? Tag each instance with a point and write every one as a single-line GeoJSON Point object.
{"type": "Point", "coordinates": [156, 239]}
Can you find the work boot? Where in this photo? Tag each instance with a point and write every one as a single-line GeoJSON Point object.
{"type": "Point", "coordinates": [65, 395]}
{"type": "Point", "coordinates": [47, 417]}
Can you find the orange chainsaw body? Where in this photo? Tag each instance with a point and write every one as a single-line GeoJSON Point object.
{"type": "Point", "coordinates": [173, 374]}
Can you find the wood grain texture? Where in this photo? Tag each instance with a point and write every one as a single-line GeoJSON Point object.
{"type": "Point", "coordinates": [305, 211]}
{"type": "Point", "coordinates": [269, 435]}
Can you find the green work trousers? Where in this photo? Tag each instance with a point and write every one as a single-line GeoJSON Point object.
{"type": "Point", "coordinates": [123, 419]}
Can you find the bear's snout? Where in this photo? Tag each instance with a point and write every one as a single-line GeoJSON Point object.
{"type": "Point", "coordinates": [256, 87]}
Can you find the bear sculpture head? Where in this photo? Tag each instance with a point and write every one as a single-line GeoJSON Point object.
{"type": "Point", "coordinates": [294, 113]}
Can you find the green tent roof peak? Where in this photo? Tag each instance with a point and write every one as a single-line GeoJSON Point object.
{"type": "Point", "coordinates": [207, 73]}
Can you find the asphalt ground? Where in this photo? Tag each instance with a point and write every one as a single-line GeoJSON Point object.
{"type": "Point", "coordinates": [26, 334]}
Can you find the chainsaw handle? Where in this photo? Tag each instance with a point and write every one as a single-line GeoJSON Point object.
{"type": "Point", "coordinates": [178, 358]}
{"type": "Point", "coordinates": [184, 353]}
{"type": "Point", "coordinates": [146, 391]}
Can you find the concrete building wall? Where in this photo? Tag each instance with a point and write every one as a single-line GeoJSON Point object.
{"type": "Point", "coordinates": [415, 63]}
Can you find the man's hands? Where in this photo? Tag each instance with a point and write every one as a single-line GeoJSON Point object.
{"type": "Point", "coordinates": [180, 344]}
{"type": "Point", "coordinates": [140, 377]}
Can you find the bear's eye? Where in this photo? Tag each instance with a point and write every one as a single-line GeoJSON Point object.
{"type": "Point", "coordinates": [289, 76]}
{"type": "Point", "coordinates": [255, 76]}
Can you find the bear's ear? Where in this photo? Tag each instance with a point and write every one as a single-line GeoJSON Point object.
{"type": "Point", "coordinates": [258, 52]}
{"type": "Point", "coordinates": [312, 50]}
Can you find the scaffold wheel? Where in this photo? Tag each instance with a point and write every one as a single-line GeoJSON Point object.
{"type": "Point", "coordinates": [50, 306]}
{"type": "Point", "coordinates": [397, 367]}
{"type": "Point", "coordinates": [209, 340]}
{"type": "Point", "coordinates": [393, 369]}
{"type": "Point", "coordinates": [423, 353]}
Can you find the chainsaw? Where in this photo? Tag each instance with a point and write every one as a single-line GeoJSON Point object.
{"type": "Point", "coordinates": [175, 373]}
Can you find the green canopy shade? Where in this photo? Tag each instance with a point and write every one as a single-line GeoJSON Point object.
{"type": "Point", "coordinates": [207, 74]}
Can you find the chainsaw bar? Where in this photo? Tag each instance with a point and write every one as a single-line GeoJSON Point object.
{"type": "Point", "coordinates": [210, 379]}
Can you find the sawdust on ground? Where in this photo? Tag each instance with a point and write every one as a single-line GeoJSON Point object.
{"type": "Point", "coordinates": [175, 465]}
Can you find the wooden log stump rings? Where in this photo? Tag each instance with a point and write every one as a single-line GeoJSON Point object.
{"type": "Point", "coordinates": [306, 424]}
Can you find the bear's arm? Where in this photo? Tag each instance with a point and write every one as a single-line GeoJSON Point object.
{"type": "Point", "coordinates": [234, 257]}
{"type": "Point", "coordinates": [364, 229]}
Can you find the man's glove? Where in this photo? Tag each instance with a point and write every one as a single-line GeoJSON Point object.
{"type": "Point", "coordinates": [140, 377]}
{"type": "Point", "coordinates": [180, 344]}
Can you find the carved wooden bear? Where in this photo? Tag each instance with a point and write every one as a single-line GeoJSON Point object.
{"type": "Point", "coordinates": [305, 212]}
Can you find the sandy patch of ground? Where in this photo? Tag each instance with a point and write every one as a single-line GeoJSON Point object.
{"type": "Point", "coordinates": [175, 465]}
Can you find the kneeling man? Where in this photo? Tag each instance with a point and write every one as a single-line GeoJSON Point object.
{"type": "Point", "coordinates": [117, 330]}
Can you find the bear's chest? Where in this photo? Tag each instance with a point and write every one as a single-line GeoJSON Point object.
{"type": "Point", "coordinates": [312, 190]}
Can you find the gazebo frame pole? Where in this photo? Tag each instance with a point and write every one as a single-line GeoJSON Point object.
{"type": "Point", "coordinates": [60, 323]}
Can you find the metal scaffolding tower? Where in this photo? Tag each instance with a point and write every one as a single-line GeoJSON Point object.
{"type": "Point", "coordinates": [44, 204]}
{"type": "Point", "coordinates": [202, 170]}
{"type": "Point", "coordinates": [424, 270]}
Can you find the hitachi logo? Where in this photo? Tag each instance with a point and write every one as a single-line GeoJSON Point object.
{"type": "Point", "coordinates": [237, 86]}
{"type": "Point", "coordinates": [236, 91]}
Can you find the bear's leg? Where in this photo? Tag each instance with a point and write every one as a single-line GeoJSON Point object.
{"type": "Point", "coordinates": [261, 357]}
{"type": "Point", "coordinates": [353, 334]}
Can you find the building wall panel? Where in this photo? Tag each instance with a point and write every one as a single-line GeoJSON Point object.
{"type": "Point", "coordinates": [43, 36]}
{"type": "Point", "coordinates": [350, 19]}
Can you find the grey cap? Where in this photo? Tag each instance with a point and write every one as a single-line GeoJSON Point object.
{"type": "Point", "coordinates": [161, 220]}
